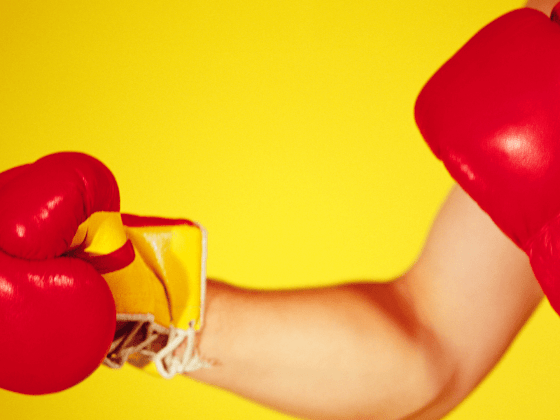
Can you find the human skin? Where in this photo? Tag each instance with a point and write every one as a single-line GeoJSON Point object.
{"type": "Point", "coordinates": [412, 348]}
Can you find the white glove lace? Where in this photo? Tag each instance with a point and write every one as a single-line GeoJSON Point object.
{"type": "Point", "coordinates": [141, 340]}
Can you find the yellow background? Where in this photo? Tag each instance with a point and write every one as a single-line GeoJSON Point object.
{"type": "Point", "coordinates": [285, 127]}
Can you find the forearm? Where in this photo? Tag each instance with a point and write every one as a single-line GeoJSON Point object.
{"type": "Point", "coordinates": [412, 348]}
{"type": "Point", "coordinates": [352, 351]}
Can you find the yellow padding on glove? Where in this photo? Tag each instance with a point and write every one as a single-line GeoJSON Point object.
{"type": "Point", "coordinates": [137, 290]}
{"type": "Point", "coordinates": [162, 283]}
{"type": "Point", "coordinates": [101, 234]}
{"type": "Point", "coordinates": [174, 254]}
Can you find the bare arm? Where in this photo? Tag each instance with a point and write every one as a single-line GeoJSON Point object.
{"type": "Point", "coordinates": [412, 348]}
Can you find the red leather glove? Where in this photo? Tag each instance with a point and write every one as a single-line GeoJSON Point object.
{"type": "Point", "coordinates": [57, 314]}
{"type": "Point", "coordinates": [492, 115]}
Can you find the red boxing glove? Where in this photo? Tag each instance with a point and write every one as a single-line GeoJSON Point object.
{"type": "Point", "coordinates": [492, 115]}
{"type": "Point", "coordinates": [57, 314]}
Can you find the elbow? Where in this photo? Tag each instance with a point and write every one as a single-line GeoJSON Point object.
{"type": "Point", "coordinates": [422, 376]}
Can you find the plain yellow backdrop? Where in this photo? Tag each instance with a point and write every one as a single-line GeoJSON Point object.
{"type": "Point", "coordinates": [285, 127]}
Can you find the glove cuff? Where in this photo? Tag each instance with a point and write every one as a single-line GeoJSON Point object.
{"type": "Point", "coordinates": [156, 270]}
{"type": "Point", "coordinates": [149, 346]}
